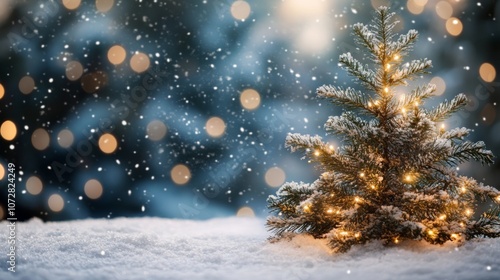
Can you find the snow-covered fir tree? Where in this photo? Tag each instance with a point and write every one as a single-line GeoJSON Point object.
{"type": "Point", "coordinates": [395, 175]}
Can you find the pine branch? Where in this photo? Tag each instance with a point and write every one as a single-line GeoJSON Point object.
{"type": "Point", "coordinates": [357, 70]}
{"type": "Point", "coordinates": [404, 42]}
{"type": "Point", "coordinates": [347, 124]}
{"type": "Point", "coordinates": [487, 226]}
{"type": "Point", "coordinates": [415, 67]}
{"type": "Point", "coordinates": [296, 141]}
{"type": "Point", "coordinates": [348, 97]}
{"type": "Point", "coordinates": [467, 150]}
{"type": "Point", "coordinates": [367, 38]}
{"type": "Point", "coordinates": [416, 96]}
{"type": "Point", "coordinates": [445, 109]}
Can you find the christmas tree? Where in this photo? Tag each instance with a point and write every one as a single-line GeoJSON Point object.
{"type": "Point", "coordinates": [395, 176]}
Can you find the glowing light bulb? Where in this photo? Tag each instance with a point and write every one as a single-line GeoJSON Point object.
{"type": "Point", "coordinates": [357, 199]}
{"type": "Point", "coordinates": [396, 57]}
{"type": "Point", "coordinates": [430, 232]}
{"type": "Point", "coordinates": [372, 186]}
{"type": "Point", "coordinates": [362, 174]}
{"type": "Point", "coordinates": [396, 240]}
{"type": "Point", "coordinates": [386, 89]}
{"type": "Point", "coordinates": [403, 110]}
{"type": "Point", "coordinates": [329, 211]}
{"type": "Point", "coordinates": [408, 178]}
{"type": "Point", "coordinates": [331, 147]}
{"type": "Point", "coordinates": [442, 217]}
{"type": "Point", "coordinates": [468, 212]}
{"type": "Point", "coordinates": [416, 103]}
{"type": "Point", "coordinates": [344, 233]}
{"type": "Point", "coordinates": [369, 104]}
{"type": "Point", "coordinates": [357, 235]}
{"type": "Point", "coordinates": [316, 153]}
{"type": "Point", "coordinates": [463, 189]}
{"type": "Point", "coordinates": [306, 208]}
{"type": "Point", "coordinates": [498, 198]}
{"type": "Point", "coordinates": [454, 236]}
{"type": "Point", "coordinates": [387, 66]}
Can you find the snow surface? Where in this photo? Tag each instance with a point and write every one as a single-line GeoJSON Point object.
{"type": "Point", "coordinates": [226, 248]}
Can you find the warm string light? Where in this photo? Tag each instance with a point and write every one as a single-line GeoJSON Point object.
{"type": "Point", "coordinates": [442, 217]}
{"type": "Point", "coordinates": [316, 153]}
{"type": "Point", "coordinates": [468, 212]}
{"type": "Point", "coordinates": [396, 240]}
{"type": "Point", "coordinates": [455, 236]}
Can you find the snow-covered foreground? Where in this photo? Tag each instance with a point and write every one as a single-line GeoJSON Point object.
{"type": "Point", "coordinates": [229, 248]}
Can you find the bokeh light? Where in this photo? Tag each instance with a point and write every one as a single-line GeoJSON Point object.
{"type": "Point", "coordinates": [104, 6]}
{"type": "Point", "coordinates": [40, 139]}
{"type": "Point", "coordinates": [56, 203]}
{"type": "Point", "coordinates": [93, 82]}
{"type": "Point", "coordinates": [2, 171]}
{"type": "Point", "coordinates": [180, 174]}
{"type": "Point", "coordinates": [93, 189]}
{"type": "Point", "coordinates": [275, 177]}
{"type": "Point", "coordinates": [454, 26]}
{"type": "Point", "coordinates": [444, 9]}
{"type": "Point", "coordinates": [108, 143]}
{"type": "Point", "coordinates": [139, 62]}
{"type": "Point", "coordinates": [440, 85]}
{"type": "Point", "coordinates": [487, 72]}
{"type": "Point", "coordinates": [74, 70]}
{"type": "Point", "coordinates": [245, 212]}
{"type": "Point", "coordinates": [215, 127]}
{"type": "Point", "coordinates": [117, 54]}
{"type": "Point", "coordinates": [71, 4]}
{"type": "Point", "coordinates": [34, 185]}
{"type": "Point", "coordinates": [65, 138]}
{"type": "Point", "coordinates": [250, 99]}
{"type": "Point", "coordinates": [2, 91]}
{"type": "Point", "coordinates": [416, 7]}
{"type": "Point", "coordinates": [240, 10]}
{"type": "Point", "coordinates": [156, 130]}
{"type": "Point", "coordinates": [26, 84]}
{"type": "Point", "coordinates": [8, 130]}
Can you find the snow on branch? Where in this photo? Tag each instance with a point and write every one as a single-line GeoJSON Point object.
{"type": "Point", "coordinates": [348, 97]}
{"type": "Point", "coordinates": [456, 133]}
{"type": "Point", "coordinates": [367, 38]}
{"type": "Point", "coordinates": [356, 69]}
{"type": "Point", "coordinates": [447, 108]}
{"type": "Point", "coordinates": [409, 70]}
{"type": "Point", "coordinates": [348, 125]}
{"type": "Point", "coordinates": [404, 42]}
{"type": "Point", "coordinates": [297, 141]}
{"type": "Point", "coordinates": [467, 150]}
{"type": "Point", "coordinates": [417, 95]}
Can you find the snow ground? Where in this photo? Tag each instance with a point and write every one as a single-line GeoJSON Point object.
{"type": "Point", "coordinates": [228, 248]}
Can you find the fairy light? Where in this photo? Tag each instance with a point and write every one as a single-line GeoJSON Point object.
{"type": "Point", "coordinates": [362, 174]}
{"type": "Point", "coordinates": [376, 102]}
{"type": "Point", "coordinates": [388, 66]}
{"type": "Point", "coordinates": [396, 57]}
{"type": "Point", "coordinates": [306, 208]}
{"type": "Point", "coordinates": [316, 153]}
{"type": "Point", "coordinates": [442, 217]}
{"type": "Point", "coordinates": [331, 147]}
{"type": "Point", "coordinates": [386, 89]}
{"type": "Point", "coordinates": [498, 198]}
{"type": "Point", "coordinates": [463, 189]}
{"type": "Point", "coordinates": [408, 178]}
{"type": "Point", "coordinates": [357, 199]}
{"type": "Point", "coordinates": [431, 232]}
{"type": "Point", "coordinates": [468, 212]}
{"type": "Point", "coordinates": [396, 240]}
{"type": "Point", "coordinates": [344, 233]}
{"type": "Point", "coordinates": [357, 235]}
{"type": "Point", "coordinates": [372, 186]}
{"type": "Point", "coordinates": [403, 110]}
{"type": "Point", "coordinates": [454, 236]}
{"type": "Point", "coordinates": [329, 211]}
{"type": "Point", "coordinates": [369, 104]}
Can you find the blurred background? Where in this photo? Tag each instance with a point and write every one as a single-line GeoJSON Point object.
{"type": "Point", "coordinates": [180, 109]}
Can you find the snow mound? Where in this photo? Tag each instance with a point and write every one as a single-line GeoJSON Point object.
{"type": "Point", "coordinates": [229, 248]}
